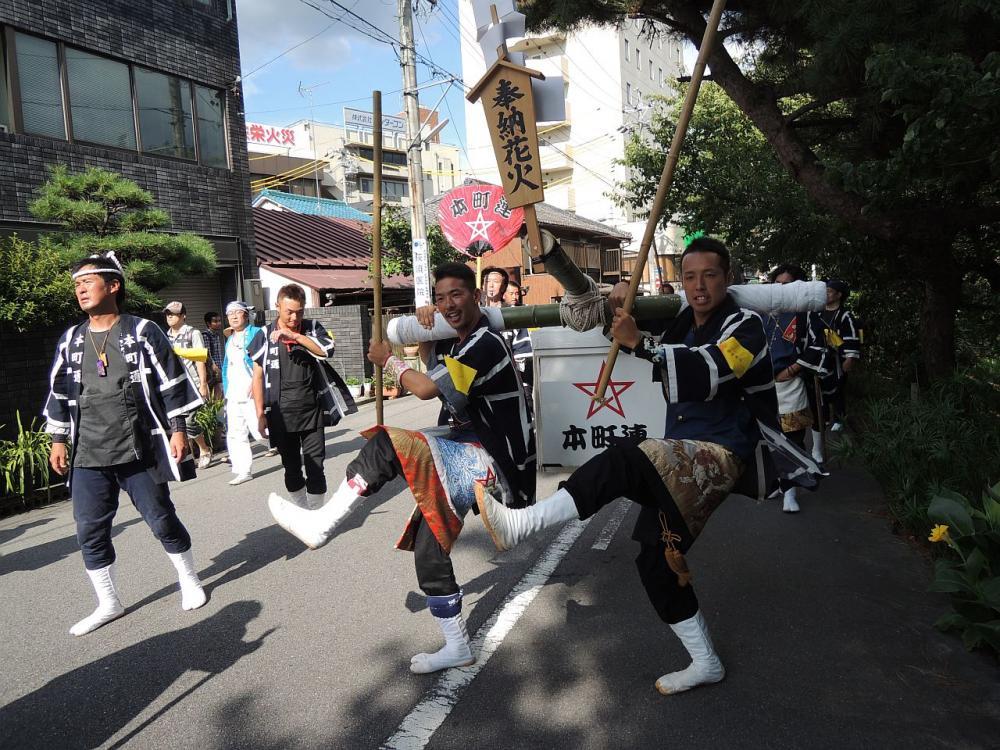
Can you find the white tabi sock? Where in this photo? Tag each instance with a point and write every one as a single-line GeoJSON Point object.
{"type": "Point", "coordinates": [192, 594]}
{"type": "Point", "coordinates": [705, 666]}
{"type": "Point", "coordinates": [817, 446]}
{"type": "Point", "coordinates": [509, 526]}
{"type": "Point", "coordinates": [315, 527]}
{"type": "Point", "coordinates": [457, 650]}
{"type": "Point", "coordinates": [791, 504]}
{"type": "Point", "coordinates": [109, 606]}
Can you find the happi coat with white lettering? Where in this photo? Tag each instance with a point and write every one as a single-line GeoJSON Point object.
{"type": "Point", "coordinates": [160, 386]}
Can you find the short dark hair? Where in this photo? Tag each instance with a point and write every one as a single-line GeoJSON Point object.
{"type": "Point", "coordinates": [495, 269]}
{"type": "Point", "coordinates": [210, 315]}
{"type": "Point", "coordinates": [458, 271]}
{"type": "Point", "coordinates": [293, 292]}
{"type": "Point", "coordinates": [796, 272]}
{"type": "Point", "coordinates": [708, 245]}
{"type": "Point", "coordinates": [99, 262]}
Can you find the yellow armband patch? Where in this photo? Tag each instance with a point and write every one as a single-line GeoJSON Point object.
{"type": "Point", "coordinates": [833, 338]}
{"type": "Point", "coordinates": [736, 355]}
{"type": "Point", "coordinates": [461, 375]}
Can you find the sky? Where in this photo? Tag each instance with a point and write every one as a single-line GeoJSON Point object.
{"type": "Point", "coordinates": [338, 66]}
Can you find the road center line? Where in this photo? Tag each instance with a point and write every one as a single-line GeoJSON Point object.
{"type": "Point", "coordinates": [618, 514]}
{"type": "Point", "coordinates": [419, 725]}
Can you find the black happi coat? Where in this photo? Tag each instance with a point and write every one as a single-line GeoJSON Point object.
{"type": "Point", "coordinates": [335, 400]}
{"type": "Point", "coordinates": [160, 386]}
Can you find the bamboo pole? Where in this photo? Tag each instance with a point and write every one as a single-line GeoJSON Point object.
{"type": "Point", "coordinates": [707, 42]}
{"type": "Point", "coordinates": [377, 243]}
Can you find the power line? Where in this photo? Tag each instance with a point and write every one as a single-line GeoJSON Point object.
{"type": "Point", "coordinates": [290, 49]}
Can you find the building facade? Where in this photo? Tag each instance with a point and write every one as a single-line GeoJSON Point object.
{"type": "Point", "coordinates": [338, 159]}
{"type": "Point", "coordinates": [149, 90]}
{"type": "Point", "coordinates": [610, 76]}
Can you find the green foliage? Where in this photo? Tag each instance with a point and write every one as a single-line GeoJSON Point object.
{"type": "Point", "coordinates": [352, 380]}
{"type": "Point", "coordinates": [948, 439]}
{"type": "Point", "coordinates": [397, 254]}
{"type": "Point", "coordinates": [209, 418]}
{"type": "Point", "coordinates": [35, 288]}
{"type": "Point", "coordinates": [24, 462]}
{"type": "Point", "coordinates": [970, 572]}
{"type": "Point", "coordinates": [102, 211]}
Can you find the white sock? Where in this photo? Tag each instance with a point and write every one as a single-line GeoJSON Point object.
{"type": "Point", "coordinates": [705, 666]}
{"type": "Point", "coordinates": [192, 594]}
{"type": "Point", "coordinates": [457, 650]}
{"type": "Point", "coordinates": [109, 606]}
{"type": "Point", "coordinates": [817, 445]}
{"type": "Point", "coordinates": [791, 504]}
{"type": "Point", "coordinates": [315, 527]}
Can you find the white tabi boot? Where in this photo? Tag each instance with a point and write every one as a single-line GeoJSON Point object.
{"type": "Point", "coordinates": [109, 606]}
{"type": "Point", "coordinates": [510, 526]}
{"type": "Point", "coordinates": [791, 503]}
{"type": "Point", "coordinates": [315, 527]}
{"type": "Point", "coordinates": [817, 447]}
{"type": "Point", "coordinates": [457, 650]}
{"type": "Point", "coordinates": [192, 594]}
{"type": "Point", "coordinates": [705, 666]}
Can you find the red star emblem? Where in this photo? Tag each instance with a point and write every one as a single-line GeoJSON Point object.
{"type": "Point", "coordinates": [489, 480]}
{"type": "Point", "coordinates": [612, 401]}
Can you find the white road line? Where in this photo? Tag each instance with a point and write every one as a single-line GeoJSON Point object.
{"type": "Point", "coordinates": [419, 726]}
{"type": "Point", "coordinates": [618, 514]}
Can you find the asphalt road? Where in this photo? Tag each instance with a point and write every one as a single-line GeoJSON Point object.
{"type": "Point", "coordinates": [822, 619]}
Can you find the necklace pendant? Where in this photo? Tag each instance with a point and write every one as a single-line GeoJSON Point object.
{"type": "Point", "coordinates": [102, 368]}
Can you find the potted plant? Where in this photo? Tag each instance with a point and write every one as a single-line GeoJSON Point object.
{"type": "Point", "coordinates": [354, 386]}
{"type": "Point", "coordinates": [390, 388]}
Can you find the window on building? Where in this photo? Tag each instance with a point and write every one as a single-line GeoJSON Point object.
{"type": "Point", "coordinates": [651, 70]}
{"type": "Point", "coordinates": [390, 188]}
{"type": "Point", "coordinates": [626, 50]}
{"type": "Point", "coordinates": [211, 108]}
{"type": "Point", "coordinates": [100, 99]}
{"type": "Point", "coordinates": [388, 157]}
{"type": "Point", "coordinates": [638, 61]}
{"type": "Point", "coordinates": [628, 93]}
{"type": "Point", "coordinates": [659, 76]}
{"type": "Point", "coordinates": [41, 89]}
{"type": "Point", "coordinates": [4, 97]}
{"type": "Point", "coordinates": [165, 123]}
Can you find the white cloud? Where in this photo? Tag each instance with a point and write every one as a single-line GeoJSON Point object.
{"type": "Point", "coordinates": [269, 27]}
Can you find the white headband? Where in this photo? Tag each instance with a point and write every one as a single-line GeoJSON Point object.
{"type": "Point", "coordinates": [110, 255]}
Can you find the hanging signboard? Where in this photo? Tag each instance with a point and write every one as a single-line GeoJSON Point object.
{"type": "Point", "coordinates": [421, 273]}
{"type": "Point", "coordinates": [477, 220]}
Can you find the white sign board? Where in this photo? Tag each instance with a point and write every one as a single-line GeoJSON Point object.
{"type": "Point", "coordinates": [356, 118]}
{"type": "Point", "coordinates": [571, 426]}
{"type": "Point", "coordinates": [421, 273]}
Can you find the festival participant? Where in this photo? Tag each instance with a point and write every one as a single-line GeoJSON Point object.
{"type": "Point", "coordinates": [183, 336]}
{"type": "Point", "coordinates": [519, 339]}
{"type": "Point", "coordinates": [843, 337]}
{"type": "Point", "coordinates": [495, 281]}
{"type": "Point", "coordinates": [716, 374]}
{"type": "Point", "coordinates": [237, 384]}
{"type": "Point", "coordinates": [116, 412]}
{"type": "Point", "coordinates": [489, 439]}
{"type": "Point", "coordinates": [296, 393]}
{"type": "Point", "coordinates": [797, 345]}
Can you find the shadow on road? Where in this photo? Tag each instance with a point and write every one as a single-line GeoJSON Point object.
{"type": "Point", "coordinates": [7, 535]}
{"type": "Point", "coordinates": [41, 555]}
{"type": "Point", "coordinates": [89, 705]}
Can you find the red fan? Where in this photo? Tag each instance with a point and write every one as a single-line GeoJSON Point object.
{"type": "Point", "coordinates": [477, 220]}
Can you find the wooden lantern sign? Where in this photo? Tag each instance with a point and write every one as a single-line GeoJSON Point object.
{"type": "Point", "coordinates": [478, 220]}
{"type": "Point", "coordinates": [507, 92]}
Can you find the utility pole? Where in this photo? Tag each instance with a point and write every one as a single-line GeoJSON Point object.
{"type": "Point", "coordinates": [414, 154]}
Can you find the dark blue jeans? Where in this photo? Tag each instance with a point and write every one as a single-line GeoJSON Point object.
{"type": "Point", "coordinates": [95, 502]}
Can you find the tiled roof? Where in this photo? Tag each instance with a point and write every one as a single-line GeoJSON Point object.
{"type": "Point", "coordinates": [352, 279]}
{"type": "Point", "coordinates": [303, 204]}
{"type": "Point", "coordinates": [549, 217]}
{"type": "Point", "coordinates": [287, 238]}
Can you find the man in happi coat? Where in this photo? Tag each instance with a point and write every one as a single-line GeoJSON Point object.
{"type": "Point", "coordinates": [843, 340]}
{"type": "Point", "coordinates": [721, 411]}
{"type": "Point", "coordinates": [117, 415]}
{"type": "Point", "coordinates": [798, 348]}
{"type": "Point", "coordinates": [487, 439]}
{"type": "Point", "coordinates": [297, 394]}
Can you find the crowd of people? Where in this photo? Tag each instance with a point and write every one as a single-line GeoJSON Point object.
{"type": "Point", "coordinates": [741, 393]}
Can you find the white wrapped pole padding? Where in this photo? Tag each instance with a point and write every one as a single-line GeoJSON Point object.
{"type": "Point", "coordinates": [766, 299]}
{"type": "Point", "coordinates": [406, 330]}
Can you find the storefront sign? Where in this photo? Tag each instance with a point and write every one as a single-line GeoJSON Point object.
{"type": "Point", "coordinates": [356, 118]}
{"type": "Point", "coordinates": [269, 135]}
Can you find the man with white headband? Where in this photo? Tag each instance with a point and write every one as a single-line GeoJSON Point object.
{"type": "Point", "coordinates": [237, 386]}
{"type": "Point", "coordinates": [117, 415]}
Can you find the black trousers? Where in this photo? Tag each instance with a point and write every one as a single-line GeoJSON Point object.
{"type": "Point", "coordinates": [95, 502]}
{"type": "Point", "coordinates": [624, 471]}
{"type": "Point", "coordinates": [378, 464]}
{"type": "Point", "coordinates": [834, 404]}
{"type": "Point", "coordinates": [297, 448]}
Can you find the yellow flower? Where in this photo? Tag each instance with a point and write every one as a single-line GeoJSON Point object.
{"type": "Point", "coordinates": [939, 534]}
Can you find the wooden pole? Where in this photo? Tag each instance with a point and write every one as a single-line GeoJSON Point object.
{"type": "Point", "coordinates": [707, 43]}
{"type": "Point", "coordinates": [377, 242]}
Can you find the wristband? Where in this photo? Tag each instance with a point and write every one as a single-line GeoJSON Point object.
{"type": "Point", "coordinates": [396, 366]}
